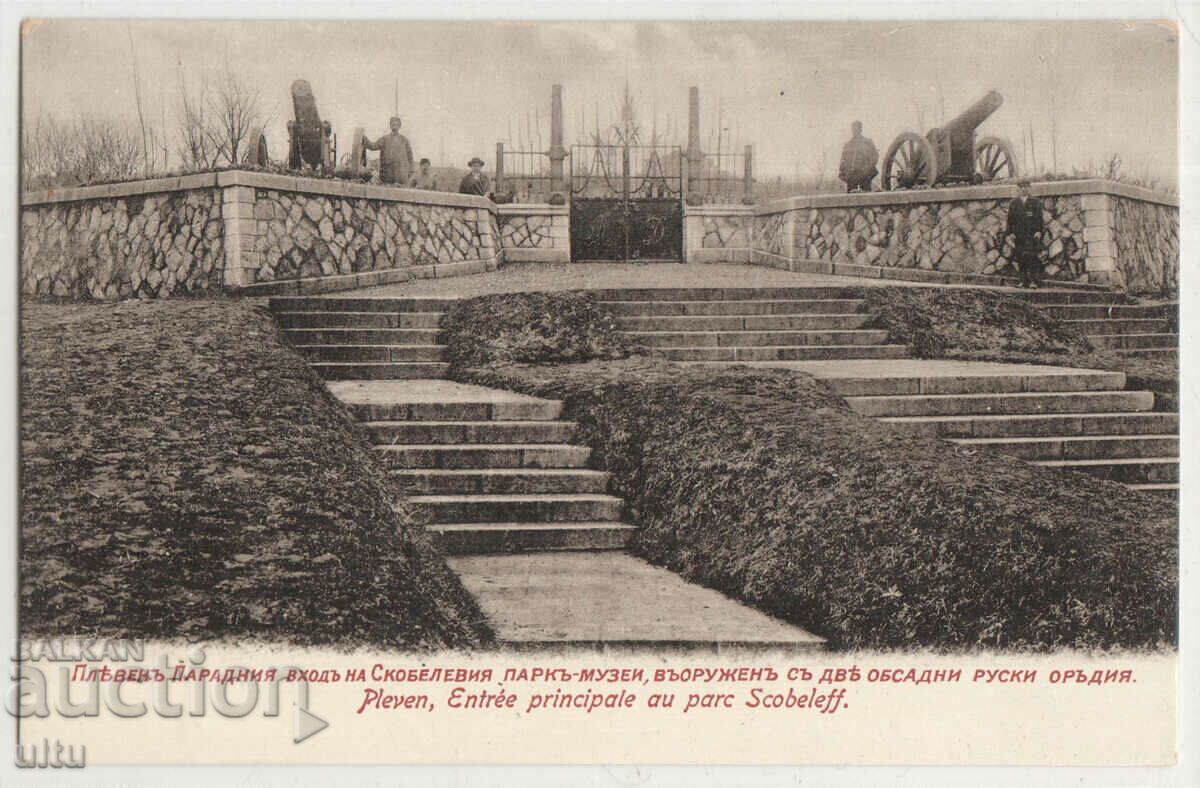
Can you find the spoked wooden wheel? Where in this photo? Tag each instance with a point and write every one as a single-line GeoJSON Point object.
{"type": "Point", "coordinates": [256, 148]}
{"type": "Point", "coordinates": [909, 162]}
{"type": "Point", "coordinates": [358, 152]}
{"type": "Point", "coordinates": [994, 159]}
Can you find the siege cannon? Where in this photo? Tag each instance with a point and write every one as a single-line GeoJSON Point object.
{"type": "Point", "coordinates": [950, 154]}
{"type": "Point", "coordinates": [312, 141]}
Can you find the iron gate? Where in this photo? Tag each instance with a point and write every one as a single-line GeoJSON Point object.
{"type": "Point", "coordinates": [626, 203]}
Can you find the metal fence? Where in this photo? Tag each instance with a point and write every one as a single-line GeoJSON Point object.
{"type": "Point", "coordinates": [626, 171]}
{"type": "Point", "coordinates": [524, 174]}
{"type": "Point", "coordinates": [721, 178]}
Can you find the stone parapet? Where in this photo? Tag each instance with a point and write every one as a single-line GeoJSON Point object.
{"type": "Point", "coordinates": [239, 229]}
{"type": "Point", "coordinates": [534, 232]}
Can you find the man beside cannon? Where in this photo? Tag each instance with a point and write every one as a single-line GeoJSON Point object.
{"type": "Point", "coordinates": [395, 155]}
{"type": "Point", "coordinates": [859, 158]}
{"type": "Point", "coordinates": [1025, 225]}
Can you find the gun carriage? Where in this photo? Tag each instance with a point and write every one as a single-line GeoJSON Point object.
{"type": "Point", "coordinates": [950, 154]}
{"type": "Point", "coordinates": [311, 140]}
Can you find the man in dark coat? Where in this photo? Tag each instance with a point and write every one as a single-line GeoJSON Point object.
{"type": "Point", "coordinates": [1025, 225]}
{"type": "Point", "coordinates": [395, 155]}
{"type": "Point", "coordinates": [859, 158]}
{"type": "Point", "coordinates": [475, 182]}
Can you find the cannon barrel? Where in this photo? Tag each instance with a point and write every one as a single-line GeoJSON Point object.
{"type": "Point", "coordinates": [976, 114]}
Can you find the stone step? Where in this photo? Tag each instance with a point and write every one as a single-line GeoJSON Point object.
{"type": "Point", "coordinates": [743, 339]}
{"type": "Point", "coordinates": [722, 293]}
{"type": "Point", "coordinates": [531, 508]}
{"type": "Point", "coordinates": [1049, 424]}
{"type": "Point", "coordinates": [1101, 312]}
{"type": "Point", "coordinates": [470, 431]}
{"type": "Point", "coordinates": [361, 336]}
{"type": "Point", "coordinates": [359, 319]}
{"type": "Point", "coordinates": [359, 304]}
{"type": "Point", "coordinates": [380, 370]}
{"type": "Point", "coordinates": [1121, 326]}
{"type": "Point", "coordinates": [789, 353]}
{"type": "Point", "coordinates": [711, 308]}
{"type": "Point", "coordinates": [1135, 470]}
{"type": "Point", "coordinates": [1161, 488]}
{"type": "Point", "coordinates": [527, 409]}
{"type": "Point", "coordinates": [1079, 447]}
{"type": "Point", "coordinates": [517, 537]}
{"type": "Point", "coordinates": [817, 322]}
{"type": "Point", "coordinates": [372, 352]}
{"type": "Point", "coordinates": [1046, 296]}
{"type": "Point", "coordinates": [478, 455]}
{"type": "Point", "coordinates": [496, 481]}
{"type": "Point", "coordinates": [1134, 341]}
{"type": "Point", "coordinates": [1002, 404]}
{"type": "Point", "coordinates": [1151, 352]}
{"type": "Point", "coordinates": [988, 383]}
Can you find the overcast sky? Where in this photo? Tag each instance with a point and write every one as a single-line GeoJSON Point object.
{"type": "Point", "coordinates": [790, 88]}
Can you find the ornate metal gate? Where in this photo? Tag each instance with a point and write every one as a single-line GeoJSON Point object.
{"type": "Point", "coordinates": [626, 203]}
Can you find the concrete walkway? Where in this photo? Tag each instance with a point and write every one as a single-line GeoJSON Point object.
{"type": "Point", "coordinates": [612, 599]}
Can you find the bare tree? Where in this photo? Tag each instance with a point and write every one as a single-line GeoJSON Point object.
{"type": "Point", "coordinates": [86, 149]}
{"type": "Point", "coordinates": [215, 120]}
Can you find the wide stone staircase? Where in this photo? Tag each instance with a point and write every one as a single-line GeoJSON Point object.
{"type": "Point", "coordinates": [362, 338]}
{"type": "Point", "coordinates": [1057, 417]}
{"type": "Point", "coordinates": [1113, 322]}
{"type": "Point", "coordinates": [748, 324]}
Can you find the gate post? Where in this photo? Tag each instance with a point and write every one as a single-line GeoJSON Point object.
{"type": "Point", "coordinates": [499, 188]}
{"type": "Point", "coordinates": [557, 151]}
{"type": "Point", "coordinates": [695, 157]}
{"type": "Point", "coordinates": [748, 178]}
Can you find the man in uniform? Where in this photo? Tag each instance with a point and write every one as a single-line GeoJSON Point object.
{"type": "Point", "coordinates": [425, 179]}
{"type": "Point", "coordinates": [1026, 227]}
{"type": "Point", "coordinates": [475, 182]}
{"type": "Point", "coordinates": [395, 155]}
{"type": "Point", "coordinates": [859, 158]}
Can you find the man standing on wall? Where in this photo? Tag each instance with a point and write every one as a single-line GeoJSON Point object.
{"type": "Point", "coordinates": [395, 155]}
{"type": "Point", "coordinates": [859, 158]}
{"type": "Point", "coordinates": [1025, 226]}
{"type": "Point", "coordinates": [425, 179]}
{"type": "Point", "coordinates": [475, 182]}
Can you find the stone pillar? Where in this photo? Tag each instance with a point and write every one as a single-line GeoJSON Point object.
{"type": "Point", "coordinates": [1101, 260]}
{"type": "Point", "coordinates": [694, 156]}
{"type": "Point", "coordinates": [498, 188]}
{"type": "Point", "coordinates": [240, 236]}
{"type": "Point", "coordinates": [557, 152]}
{"type": "Point", "coordinates": [748, 178]}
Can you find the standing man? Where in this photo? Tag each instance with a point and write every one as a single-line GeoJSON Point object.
{"type": "Point", "coordinates": [425, 179]}
{"type": "Point", "coordinates": [1026, 227]}
{"type": "Point", "coordinates": [395, 155]}
{"type": "Point", "coordinates": [859, 158]}
{"type": "Point", "coordinates": [475, 182]}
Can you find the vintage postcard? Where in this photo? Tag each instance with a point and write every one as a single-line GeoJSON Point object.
{"type": "Point", "coordinates": [760, 391]}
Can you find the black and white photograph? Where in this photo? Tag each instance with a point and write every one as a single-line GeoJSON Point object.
{"type": "Point", "coordinates": [682, 390]}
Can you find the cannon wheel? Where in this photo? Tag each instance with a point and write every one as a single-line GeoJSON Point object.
{"type": "Point", "coordinates": [910, 161]}
{"type": "Point", "coordinates": [994, 159]}
{"type": "Point", "coordinates": [256, 148]}
{"type": "Point", "coordinates": [358, 152]}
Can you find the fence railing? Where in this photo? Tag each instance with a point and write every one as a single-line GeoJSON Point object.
{"type": "Point", "coordinates": [722, 178]}
{"type": "Point", "coordinates": [526, 175]}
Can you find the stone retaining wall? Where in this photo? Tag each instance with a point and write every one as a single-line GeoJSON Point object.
{"type": "Point", "coordinates": [1096, 231]}
{"type": "Point", "coordinates": [534, 232]}
{"type": "Point", "coordinates": [246, 231]}
{"type": "Point", "coordinates": [718, 233]}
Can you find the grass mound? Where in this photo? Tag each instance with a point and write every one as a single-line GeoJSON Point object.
{"type": "Point", "coordinates": [531, 328]}
{"type": "Point", "coordinates": [184, 474]}
{"type": "Point", "coordinates": [762, 484]}
{"type": "Point", "coordinates": [935, 321]}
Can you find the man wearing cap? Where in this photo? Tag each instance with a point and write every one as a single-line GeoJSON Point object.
{"type": "Point", "coordinates": [395, 155]}
{"type": "Point", "coordinates": [1026, 227]}
{"type": "Point", "coordinates": [859, 156]}
{"type": "Point", "coordinates": [475, 182]}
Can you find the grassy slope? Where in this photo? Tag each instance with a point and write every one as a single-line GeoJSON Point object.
{"type": "Point", "coordinates": [185, 474]}
{"type": "Point", "coordinates": [762, 484]}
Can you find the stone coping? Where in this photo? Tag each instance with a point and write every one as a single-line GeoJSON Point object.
{"type": "Point", "coordinates": [258, 180]}
{"type": "Point", "coordinates": [730, 209]}
{"type": "Point", "coordinates": [532, 209]}
{"type": "Point", "coordinates": [964, 193]}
